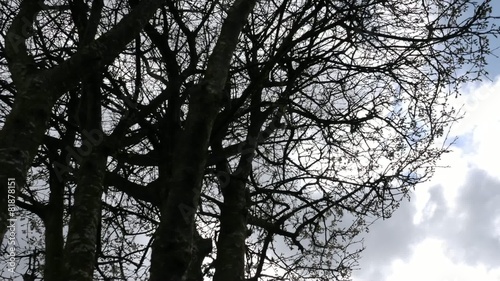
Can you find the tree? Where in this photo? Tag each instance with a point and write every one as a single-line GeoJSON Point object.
{"type": "Point", "coordinates": [38, 86]}
{"type": "Point", "coordinates": [277, 130]}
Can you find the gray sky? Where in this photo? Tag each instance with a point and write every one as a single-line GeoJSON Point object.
{"type": "Point", "coordinates": [450, 231]}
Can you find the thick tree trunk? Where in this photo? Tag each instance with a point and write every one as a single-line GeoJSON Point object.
{"type": "Point", "coordinates": [173, 241]}
{"type": "Point", "coordinates": [172, 248]}
{"type": "Point", "coordinates": [82, 238]}
{"type": "Point", "coordinates": [201, 248]}
{"type": "Point", "coordinates": [54, 239]}
{"type": "Point", "coordinates": [20, 137]}
{"type": "Point", "coordinates": [38, 90]}
{"type": "Point", "coordinates": [83, 232]}
{"type": "Point", "coordinates": [230, 263]}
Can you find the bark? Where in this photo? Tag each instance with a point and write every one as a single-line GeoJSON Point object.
{"type": "Point", "coordinates": [83, 231]}
{"type": "Point", "coordinates": [172, 248]}
{"type": "Point", "coordinates": [230, 262]}
{"type": "Point", "coordinates": [54, 240]}
{"type": "Point", "coordinates": [38, 90]}
{"type": "Point", "coordinates": [85, 218]}
{"type": "Point", "coordinates": [18, 138]}
{"type": "Point", "coordinates": [201, 248]}
{"type": "Point", "coordinates": [84, 225]}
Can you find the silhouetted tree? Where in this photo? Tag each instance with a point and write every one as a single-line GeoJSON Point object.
{"type": "Point", "coordinates": [234, 140]}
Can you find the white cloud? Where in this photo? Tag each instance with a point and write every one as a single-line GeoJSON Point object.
{"type": "Point", "coordinates": [478, 128]}
{"type": "Point", "coordinates": [451, 228]}
{"type": "Point", "coordinates": [437, 266]}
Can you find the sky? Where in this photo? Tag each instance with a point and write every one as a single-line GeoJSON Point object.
{"type": "Point", "coordinates": [450, 229]}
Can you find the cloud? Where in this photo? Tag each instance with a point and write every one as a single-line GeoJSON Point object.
{"type": "Point", "coordinates": [451, 228]}
{"type": "Point", "coordinates": [476, 131]}
{"type": "Point", "coordinates": [472, 233]}
{"type": "Point", "coordinates": [387, 240]}
{"type": "Point", "coordinates": [437, 266]}
{"type": "Point", "coordinates": [456, 242]}
{"type": "Point", "coordinates": [469, 222]}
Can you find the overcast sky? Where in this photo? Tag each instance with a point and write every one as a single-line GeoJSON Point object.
{"type": "Point", "coordinates": [450, 230]}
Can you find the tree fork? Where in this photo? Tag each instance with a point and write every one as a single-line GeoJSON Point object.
{"type": "Point", "coordinates": [171, 252]}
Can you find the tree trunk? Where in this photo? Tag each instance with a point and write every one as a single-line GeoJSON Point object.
{"type": "Point", "coordinates": [230, 263]}
{"type": "Point", "coordinates": [172, 248]}
{"type": "Point", "coordinates": [38, 90]}
{"type": "Point", "coordinates": [53, 220]}
{"type": "Point", "coordinates": [80, 250]}
{"type": "Point", "coordinates": [85, 218]}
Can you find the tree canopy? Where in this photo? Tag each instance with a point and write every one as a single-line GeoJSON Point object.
{"type": "Point", "coordinates": [222, 140]}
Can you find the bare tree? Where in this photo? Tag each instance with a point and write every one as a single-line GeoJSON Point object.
{"type": "Point", "coordinates": [38, 86]}
{"type": "Point", "coordinates": [234, 140]}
